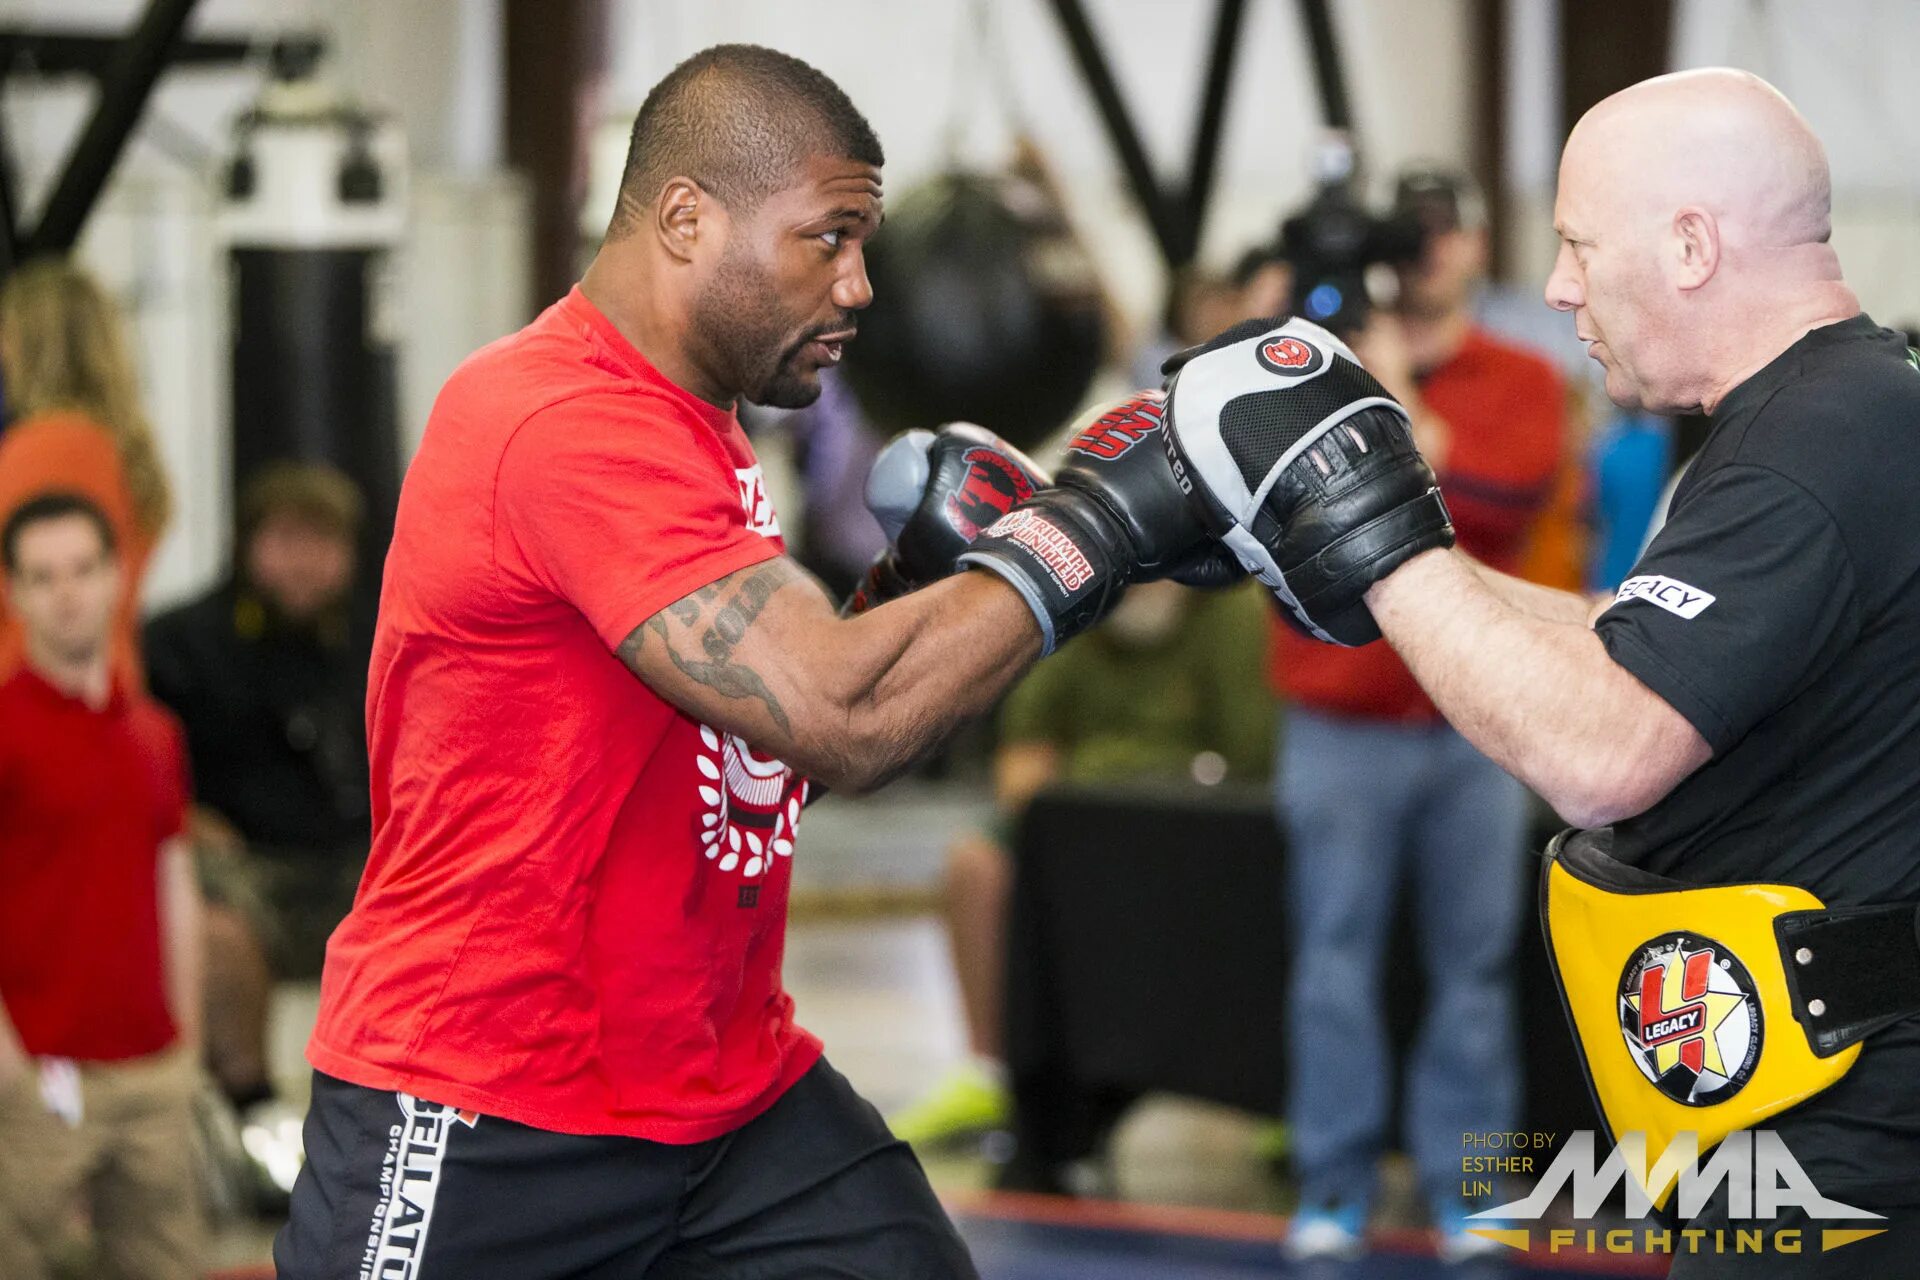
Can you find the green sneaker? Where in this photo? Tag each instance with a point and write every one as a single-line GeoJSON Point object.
{"type": "Point", "coordinates": [966, 1102]}
{"type": "Point", "coordinates": [1273, 1142]}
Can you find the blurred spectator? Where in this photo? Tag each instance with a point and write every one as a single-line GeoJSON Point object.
{"type": "Point", "coordinates": [99, 972]}
{"type": "Point", "coordinates": [1559, 548]}
{"type": "Point", "coordinates": [1203, 304]}
{"type": "Point", "coordinates": [834, 447]}
{"type": "Point", "coordinates": [268, 673]}
{"type": "Point", "coordinates": [77, 427]}
{"type": "Point", "coordinates": [1631, 458]}
{"type": "Point", "coordinates": [1166, 688]}
{"type": "Point", "coordinates": [1442, 817]}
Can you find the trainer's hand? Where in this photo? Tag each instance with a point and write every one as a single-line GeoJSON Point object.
{"type": "Point", "coordinates": [933, 492]}
{"type": "Point", "coordinates": [1114, 515]}
{"type": "Point", "coordinates": [1286, 412]}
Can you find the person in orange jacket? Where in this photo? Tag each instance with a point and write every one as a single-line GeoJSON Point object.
{"type": "Point", "coordinates": [76, 426]}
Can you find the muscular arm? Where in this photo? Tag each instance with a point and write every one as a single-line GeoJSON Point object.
{"type": "Point", "coordinates": [851, 701]}
{"type": "Point", "coordinates": [1538, 694]}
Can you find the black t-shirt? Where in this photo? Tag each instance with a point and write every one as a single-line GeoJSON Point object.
{"type": "Point", "coordinates": [1779, 611]}
{"type": "Point", "coordinates": [275, 720]}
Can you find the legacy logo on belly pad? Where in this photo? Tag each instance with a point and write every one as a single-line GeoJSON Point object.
{"type": "Point", "coordinates": [1670, 594]}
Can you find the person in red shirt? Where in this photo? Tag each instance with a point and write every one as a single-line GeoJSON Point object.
{"type": "Point", "coordinates": [1441, 817]}
{"type": "Point", "coordinates": [552, 1037]}
{"type": "Point", "coordinates": [99, 970]}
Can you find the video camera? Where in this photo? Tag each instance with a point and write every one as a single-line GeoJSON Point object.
{"type": "Point", "coordinates": [1332, 242]}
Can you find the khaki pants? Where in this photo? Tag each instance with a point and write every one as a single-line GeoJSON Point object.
{"type": "Point", "coordinates": [128, 1164]}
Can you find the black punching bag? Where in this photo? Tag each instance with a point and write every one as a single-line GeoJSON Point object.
{"type": "Point", "coordinates": [315, 205]}
{"type": "Point", "coordinates": [985, 308]}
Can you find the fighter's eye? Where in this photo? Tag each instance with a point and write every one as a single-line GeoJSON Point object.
{"type": "Point", "coordinates": [834, 238]}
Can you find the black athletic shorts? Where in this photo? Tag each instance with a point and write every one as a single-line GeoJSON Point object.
{"type": "Point", "coordinates": [1893, 1254]}
{"type": "Point", "coordinates": [396, 1188]}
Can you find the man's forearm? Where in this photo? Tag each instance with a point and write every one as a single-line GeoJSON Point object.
{"type": "Point", "coordinates": [1540, 697]}
{"type": "Point", "coordinates": [849, 701]}
{"type": "Point", "coordinates": [181, 925]}
{"type": "Point", "coordinates": [1545, 603]}
{"type": "Point", "coordinates": [918, 667]}
{"type": "Point", "coordinates": [12, 1052]}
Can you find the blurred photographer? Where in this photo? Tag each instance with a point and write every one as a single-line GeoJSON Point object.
{"type": "Point", "coordinates": [1490, 417]}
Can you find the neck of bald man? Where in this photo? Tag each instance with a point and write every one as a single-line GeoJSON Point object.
{"type": "Point", "coordinates": [1785, 297]}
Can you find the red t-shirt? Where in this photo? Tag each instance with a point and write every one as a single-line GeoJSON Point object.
{"type": "Point", "coordinates": [575, 907]}
{"type": "Point", "coordinates": [1507, 410]}
{"type": "Point", "coordinates": [87, 799]}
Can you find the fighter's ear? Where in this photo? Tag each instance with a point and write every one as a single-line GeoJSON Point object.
{"type": "Point", "coordinates": [1696, 247]}
{"type": "Point", "coordinates": [684, 205]}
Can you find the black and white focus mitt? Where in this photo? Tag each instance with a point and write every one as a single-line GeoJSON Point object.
{"type": "Point", "coordinates": [1303, 465]}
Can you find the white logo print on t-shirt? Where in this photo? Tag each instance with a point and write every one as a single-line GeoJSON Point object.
{"type": "Point", "coordinates": [752, 801]}
{"type": "Point", "coordinates": [1671, 594]}
{"type": "Point", "coordinates": [761, 517]}
{"type": "Point", "coordinates": [752, 804]}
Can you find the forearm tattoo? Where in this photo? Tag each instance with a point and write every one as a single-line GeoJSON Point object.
{"type": "Point", "coordinates": [699, 633]}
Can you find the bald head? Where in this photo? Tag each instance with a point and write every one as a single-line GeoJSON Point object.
{"type": "Point", "coordinates": [1694, 212]}
{"type": "Point", "coordinates": [1721, 139]}
{"type": "Point", "coordinates": [741, 121]}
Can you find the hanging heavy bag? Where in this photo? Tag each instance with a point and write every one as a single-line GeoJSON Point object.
{"type": "Point", "coordinates": [986, 308]}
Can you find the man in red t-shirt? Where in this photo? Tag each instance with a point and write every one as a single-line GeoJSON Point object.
{"type": "Point", "coordinates": [99, 971]}
{"type": "Point", "coordinates": [1440, 816]}
{"type": "Point", "coordinates": [553, 1039]}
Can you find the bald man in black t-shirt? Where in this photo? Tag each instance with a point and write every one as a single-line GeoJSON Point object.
{"type": "Point", "coordinates": [1746, 709]}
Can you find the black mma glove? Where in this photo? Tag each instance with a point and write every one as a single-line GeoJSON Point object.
{"type": "Point", "coordinates": [1304, 467]}
{"type": "Point", "coordinates": [932, 493]}
{"type": "Point", "coordinates": [1114, 515]}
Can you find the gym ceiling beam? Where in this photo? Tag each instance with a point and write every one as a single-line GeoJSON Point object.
{"type": "Point", "coordinates": [1323, 45]}
{"type": "Point", "coordinates": [556, 55]}
{"type": "Point", "coordinates": [1489, 148]}
{"type": "Point", "coordinates": [1227, 22]}
{"type": "Point", "coordinates": [1177, 218]}
{"type": "Point", "coordinates": [67, 53]}
{"type": "Point", "coordinates": [125, 85]}
{"type": "Point", "coordinates": [1174, 217]}
{"type": "Point", "coordinates": [1094, 70]}
{"type": "Point", "coordinates": [126, 68]}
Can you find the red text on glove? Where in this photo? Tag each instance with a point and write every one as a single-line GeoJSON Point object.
{"type": "Point", "coordinates": [1115, 432]}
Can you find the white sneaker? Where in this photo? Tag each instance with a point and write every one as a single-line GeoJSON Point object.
{"type": "Point", "coordinates": [1333, 1234]}
{"type": "Point", "coordinates": [1458, 1244]}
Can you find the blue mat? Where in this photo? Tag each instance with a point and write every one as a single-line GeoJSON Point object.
{"type": "Point", "coordinates": [1012, 1250]}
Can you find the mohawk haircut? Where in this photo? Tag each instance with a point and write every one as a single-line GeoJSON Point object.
{"type": "Point", "coordinates": [738, 119]}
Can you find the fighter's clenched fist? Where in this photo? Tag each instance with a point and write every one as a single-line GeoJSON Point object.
{"type": "Point", "coordinates": [1304, 467]}
{"type": "Point", "coordinates": [933, 492]}
{"type": "Point", "coordinates": [1113, 515]}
